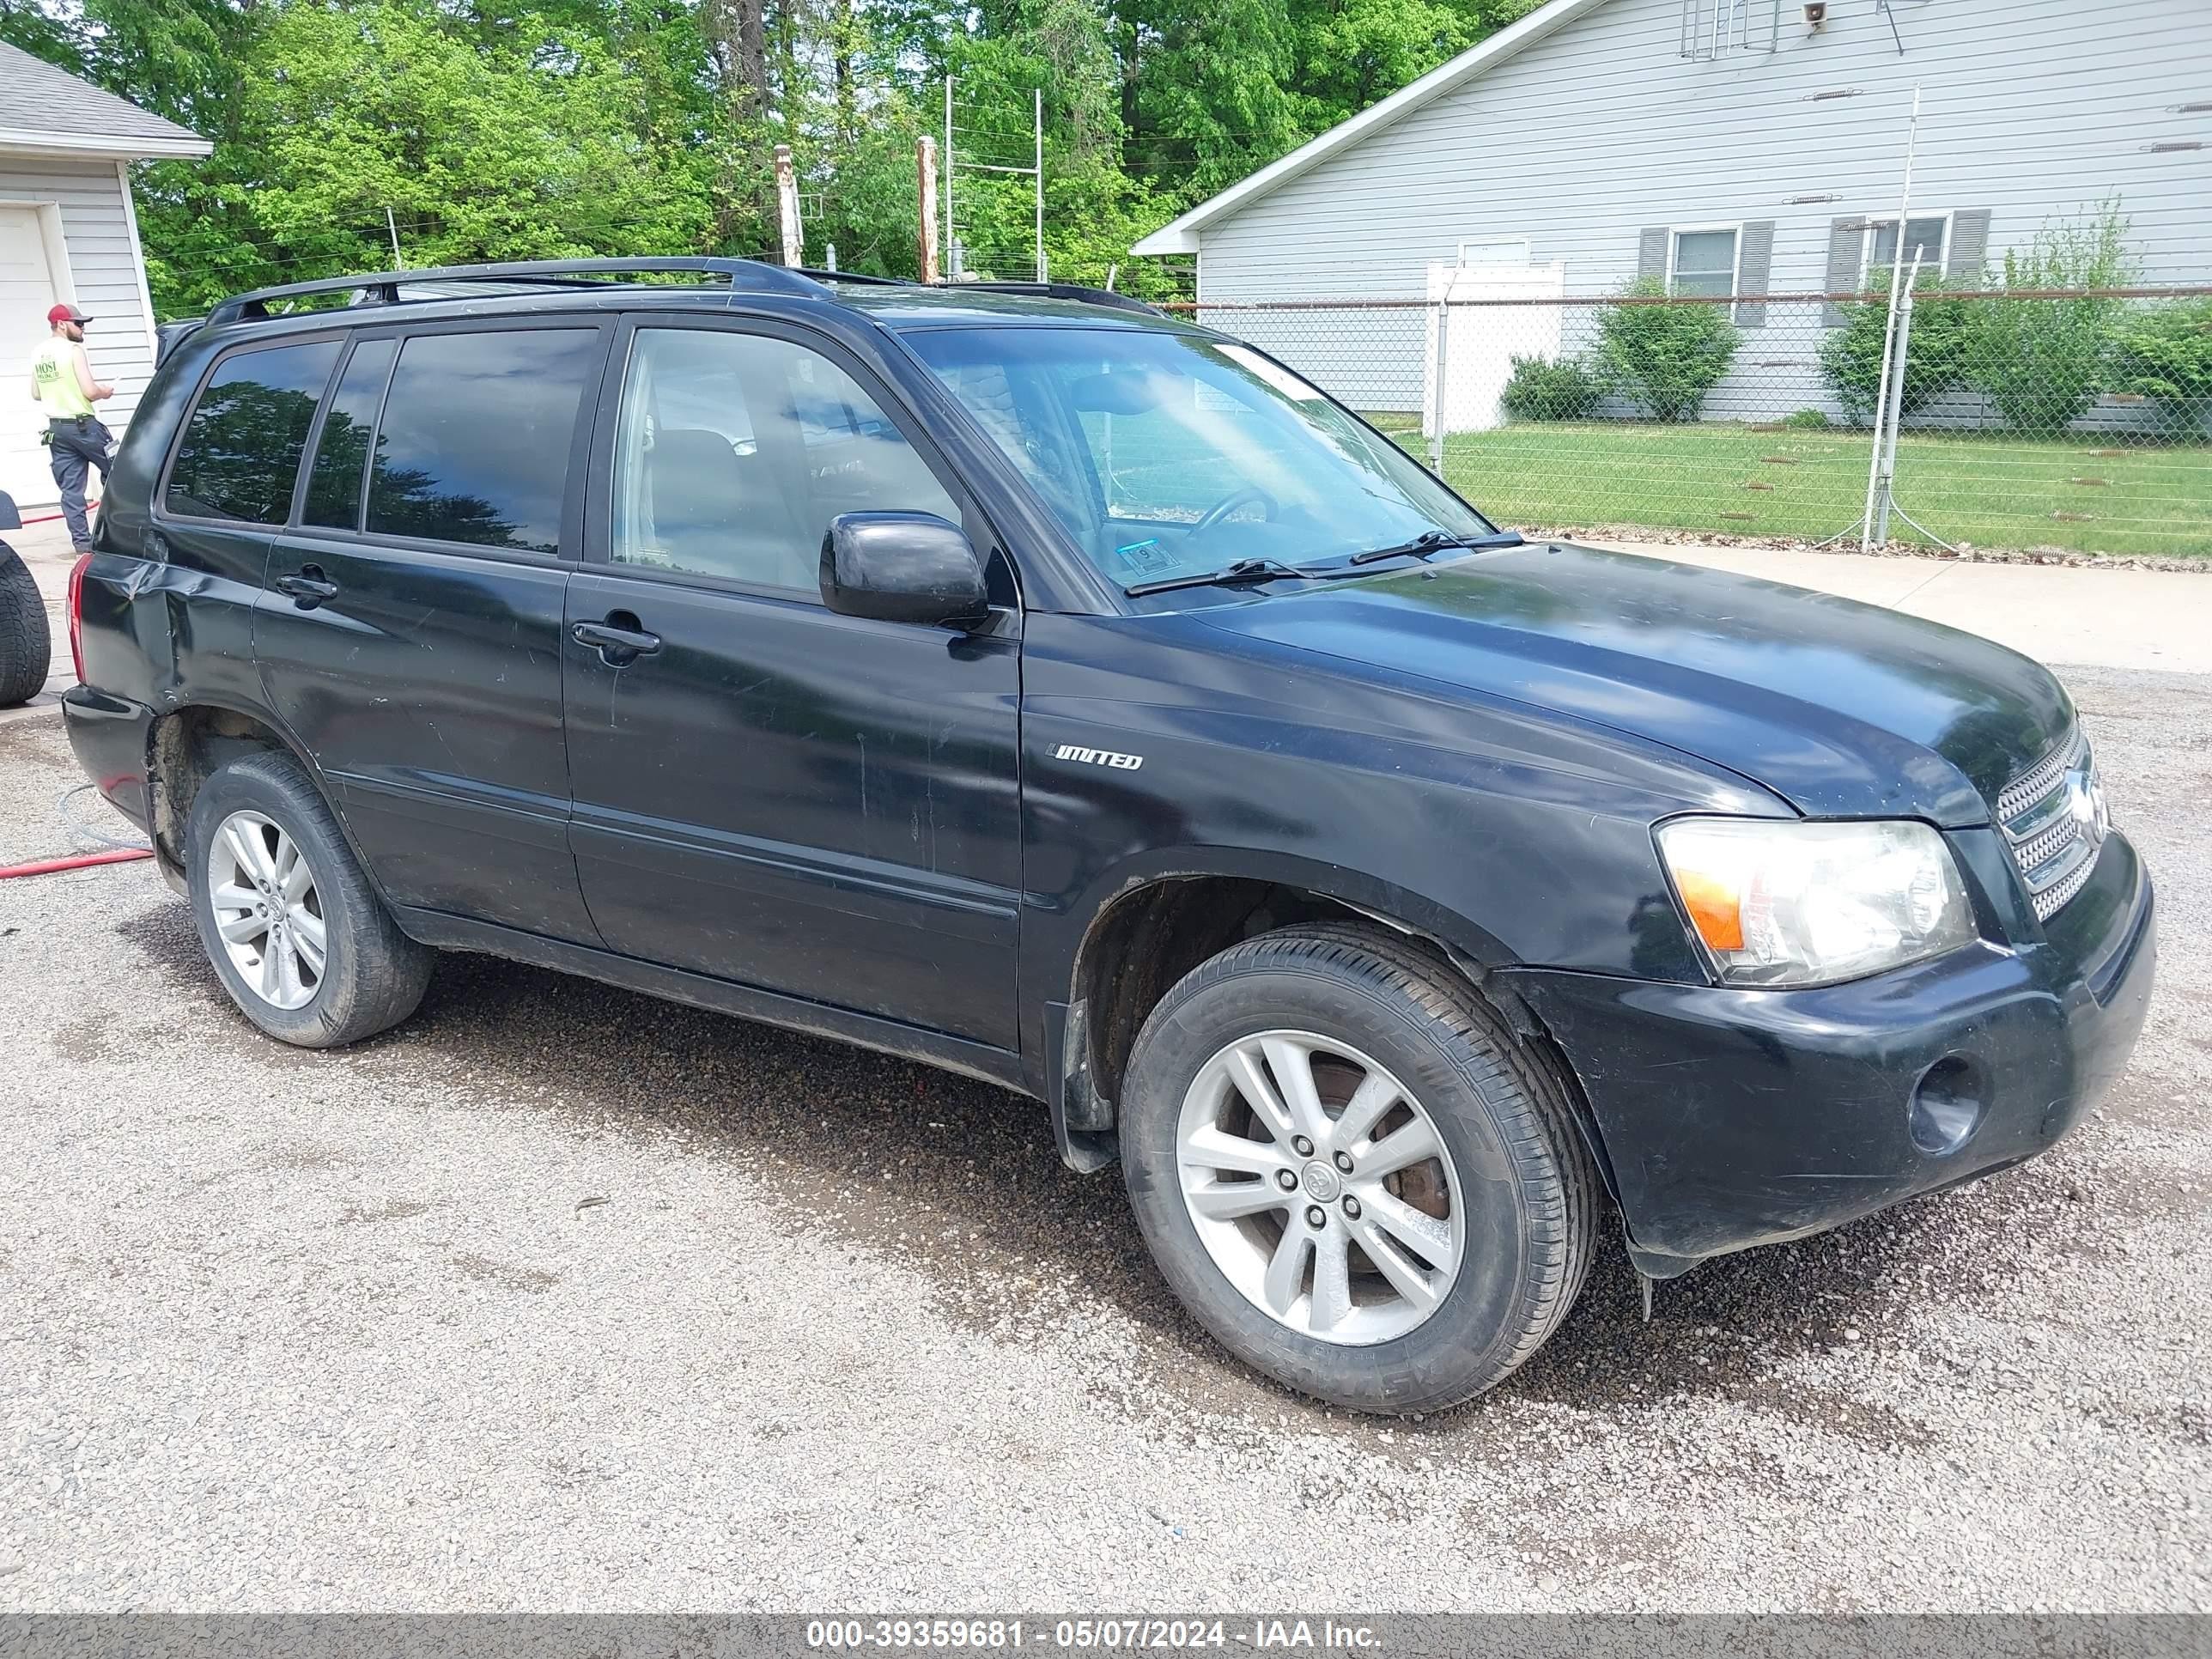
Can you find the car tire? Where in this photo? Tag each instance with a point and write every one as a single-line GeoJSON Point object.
{"type": "Point", "coordinates": [1512, 1200]}
{"type": "Point", "coordinates": [26, 649]}
{"type": "Point", "coordinates": [327, 965]}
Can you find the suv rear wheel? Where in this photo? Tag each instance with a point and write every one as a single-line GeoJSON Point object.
{"type": "Point", "coordinates": [302, 942]}
{"type": "Point", "coordinates": [1352, 1173]}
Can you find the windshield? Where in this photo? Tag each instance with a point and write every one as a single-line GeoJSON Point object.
{"type": "Point", "coordinates": [1165, 455]}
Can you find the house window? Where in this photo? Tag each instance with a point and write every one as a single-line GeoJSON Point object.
{"type": "Point", "coordinates": [1924, 238]}
{"type": "Point", "coordinates": [1703, 262]}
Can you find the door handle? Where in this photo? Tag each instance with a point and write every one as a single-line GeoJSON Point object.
{"type": "Point", "coordinates": [308, 588]}
{"type": "Point", "coordinates": [619, 639]}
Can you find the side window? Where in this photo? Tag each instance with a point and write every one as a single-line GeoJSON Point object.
{"type": "Point", "coordinates": [475, 439]}
{"type": "Point", "coordinates": [342, 455]}
{"type": "Point", "coordinates": [1704, 262]}
{"type": "Point", "coordinates": [734, 452]}
{"type": "Point", "coordinates": [239, 456]}
{"type": "Point", "coordinates": [1924, 239]}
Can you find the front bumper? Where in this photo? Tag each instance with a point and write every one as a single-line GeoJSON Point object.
{"type": "Point", "coordinates": [1730, 1118]}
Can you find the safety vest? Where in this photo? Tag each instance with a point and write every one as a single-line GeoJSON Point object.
{"type": "Point", "coordinates": [53, 372]}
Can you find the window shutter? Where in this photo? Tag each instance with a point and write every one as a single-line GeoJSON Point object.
{"type": "Point", "coordinates": [1846, 242]}
{"type": "Point", "coordinates": [1970, 247]}
{"type": "Point", "coordinates": [1754, 259]}
{"type": "Point", "coordinates": [1652, 255]}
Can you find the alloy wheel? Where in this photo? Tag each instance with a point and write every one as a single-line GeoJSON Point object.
{"type": "Point", "coordinates": [1321, 1187]}
{"type": "Point", "coordinates": [268, 911]}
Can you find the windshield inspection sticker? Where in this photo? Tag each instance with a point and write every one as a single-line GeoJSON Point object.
{"type": "Point", "coordinates": [1145, 558]}
{"type": "Point", "coordinates": [1098, 758]}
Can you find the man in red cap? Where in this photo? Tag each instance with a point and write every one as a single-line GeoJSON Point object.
{"type": "Point", "coordinates": [61, 379]}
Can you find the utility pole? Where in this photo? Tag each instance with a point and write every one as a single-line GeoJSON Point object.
{"type": "Point", "coordinates": [1038, 129]}
{"type": "Point", "coordinates": [1883, 408]}
{"type": "Point", "coordinates": [951, 235]}
{"type": "Point", "coordinates": [392, 225]}
{"type": "Point", "coordinates": [925, 172]}
{"type": "Point", "coordinates": [787, 209]}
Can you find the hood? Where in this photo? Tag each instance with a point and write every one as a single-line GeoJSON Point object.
{"type": "Point", "coordinates": [1842, 710]}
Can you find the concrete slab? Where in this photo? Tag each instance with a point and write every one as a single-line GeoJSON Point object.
{"type": "Point", "coordinates": [2060, 614]}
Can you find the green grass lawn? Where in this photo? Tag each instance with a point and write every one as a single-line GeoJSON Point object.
{"type": "Point", "coordinates": [2086, 495]}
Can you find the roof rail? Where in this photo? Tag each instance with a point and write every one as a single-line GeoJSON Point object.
{"type": "Point", "coordinates": [1090, 296]}
{"type": "Point", "coordinates": [383, 287]}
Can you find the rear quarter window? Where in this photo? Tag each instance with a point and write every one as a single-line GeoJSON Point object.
{"type": "Point", "coordinates": [239, 456]}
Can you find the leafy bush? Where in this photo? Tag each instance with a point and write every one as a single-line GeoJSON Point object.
{"type": "Point", "coordinates": [1542, 389]}
{"type": "Point", "coordinates": [1934, 355]}
{"type": "Point", "coordinates": [2165, 352]}
{"type": "Point", "coordinates": [1665, 357]}
{"type": "Point", "coordinates": [1812, 420]}
{"type": "Point", "coordinates": [2042, 362]}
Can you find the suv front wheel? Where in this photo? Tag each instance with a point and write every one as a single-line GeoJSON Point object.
{"type": "Point", "coordinates": [1352, 1172]}
{"type": "Point", "coordinates": [302, 942]}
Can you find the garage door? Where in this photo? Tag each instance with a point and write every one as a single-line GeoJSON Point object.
{"type": "Point", "coordinates": [27, 290]}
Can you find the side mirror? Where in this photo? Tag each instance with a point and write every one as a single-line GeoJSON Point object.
{"type": "Point", "coordinates": [902, 567]}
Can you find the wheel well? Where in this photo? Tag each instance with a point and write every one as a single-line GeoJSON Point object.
{"type": "Point", "coordinates": [1147, 940]}
{"type": "Point", "coordinates": [187, 748]}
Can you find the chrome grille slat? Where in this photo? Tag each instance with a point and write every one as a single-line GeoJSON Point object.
{"type": "Point", "coordinates": [2048, 902]}
{"type": "Point", "coordinates": [2032, 785]}
{"type": "Point", "coordinates": [2053, 843]}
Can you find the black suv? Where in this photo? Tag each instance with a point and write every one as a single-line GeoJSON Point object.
{"type": "Point", "coordinates": [1034, 685]}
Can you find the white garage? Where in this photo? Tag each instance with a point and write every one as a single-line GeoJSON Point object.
{"type": "Point", "coordinates": [68, 232]}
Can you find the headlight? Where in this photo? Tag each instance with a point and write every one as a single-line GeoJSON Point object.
{"type": "Point", "coordinates": [1778, 903]}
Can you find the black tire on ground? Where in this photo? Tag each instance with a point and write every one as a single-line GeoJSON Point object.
{"type": "Point", "coordinates": [1501, 1109]}
{"type": "Point", "coordinates": [25, 651]}
{"type": "Point", "coordinates": [374, 974]}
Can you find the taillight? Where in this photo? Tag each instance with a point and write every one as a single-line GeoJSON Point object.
{"type": "Point", "coordinates": [77, 614]}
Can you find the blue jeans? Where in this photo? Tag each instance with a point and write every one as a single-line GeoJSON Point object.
{"type": "Point", "coordinates": [75, 448]}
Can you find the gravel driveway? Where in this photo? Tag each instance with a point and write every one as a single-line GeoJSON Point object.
{"type": "Point", "coordinates": [558, 1296]}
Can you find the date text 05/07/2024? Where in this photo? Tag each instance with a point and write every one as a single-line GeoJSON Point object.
{"type": "Point", "coordinates": [1135, 1634]}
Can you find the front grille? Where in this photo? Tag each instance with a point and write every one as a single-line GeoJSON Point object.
{"type": "Point", "coordinates": [2053, 819]}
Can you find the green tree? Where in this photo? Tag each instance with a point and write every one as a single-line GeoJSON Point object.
{"type": "Point", "coordinates": [1665, 357]}
{"type": "Point", "coordinates": [2042, 363]}
{"type": "Point", "coordinates": [1937, 349]}
{"type": "Point", "coordinates": [2164, 352]}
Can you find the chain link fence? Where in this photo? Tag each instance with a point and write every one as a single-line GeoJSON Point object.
{"type": "Point", "coordinates": [2077, 420]}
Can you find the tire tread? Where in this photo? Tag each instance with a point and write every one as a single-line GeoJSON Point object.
{"type": "Point", "coordinates": [388, 972]}
{"type": "Point", "coordinates": [26, 642]}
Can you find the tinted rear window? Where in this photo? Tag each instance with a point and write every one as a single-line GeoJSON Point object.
{"type": "Point", "coordinates": [341, 452]}
{"type": "Point", "coordinates": [475, 439]}
{"type": "Point", "coordinates": [240, 453]}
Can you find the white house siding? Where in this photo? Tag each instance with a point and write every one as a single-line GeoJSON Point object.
{"type": "Point", "coordinates": [103, 279]}
{"type": "Point", "coordinates": [2031, 110]}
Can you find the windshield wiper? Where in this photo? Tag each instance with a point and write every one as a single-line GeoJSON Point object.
{"type": "Point", "coordinates": [1435, 541]}
{"type": "Point", "coordinates": [1243, 570]}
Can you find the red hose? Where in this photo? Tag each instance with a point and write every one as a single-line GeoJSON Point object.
{"type": "Point", "coordinates": [53, 517]}
{"type": "Point", "coordinates": [52, 867]}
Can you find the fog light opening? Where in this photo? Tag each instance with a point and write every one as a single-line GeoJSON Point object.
{"type": "Point", "coordinates": [1948, 1103]}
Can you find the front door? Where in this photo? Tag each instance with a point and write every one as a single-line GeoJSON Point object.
{"type": "Point", "coordinates": [766, 792]}
{"type": "Point", "coordinates": [411, 636]}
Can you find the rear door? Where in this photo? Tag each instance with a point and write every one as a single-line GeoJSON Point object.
{"type": "Point", "coordinates": [772, 793]}
{"type": "Point", "coordinates": [411, 637]}
{"type": "Point", "coordinates": [225, 495]}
